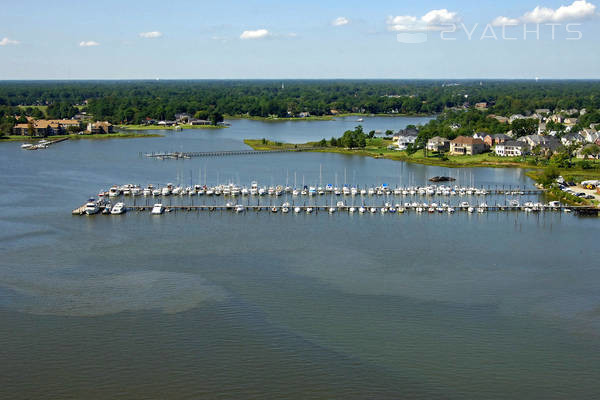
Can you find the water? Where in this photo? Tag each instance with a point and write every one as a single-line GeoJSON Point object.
{"type": "Point", "coordinates": [218, 305]}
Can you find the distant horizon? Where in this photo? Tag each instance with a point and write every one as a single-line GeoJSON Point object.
{"type": "Point", "coordinates": [297, 79]}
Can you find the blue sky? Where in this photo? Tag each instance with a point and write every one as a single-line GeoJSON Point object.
{"type": "Point", "coordinates": [310, 39]}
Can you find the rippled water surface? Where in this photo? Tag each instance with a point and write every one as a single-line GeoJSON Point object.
{"type": "Point", "coordinates": [260, 305]}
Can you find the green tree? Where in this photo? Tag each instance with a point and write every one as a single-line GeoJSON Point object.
{"type": "Point", "coordinates": [524, 126]}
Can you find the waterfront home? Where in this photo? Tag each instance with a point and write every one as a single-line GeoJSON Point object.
{"type": "Point", "coordinates": [406, 137]}
{"type": "Point", "coordinates": [44, 127]}
{"type": "Point", "coordinates": [199, 122]}
{"type": "Point", "coordinates": [510, 148]}
{"type": "Point", "coordinates": [183, 118]}
{"type": "Point", "coordinates": [99, 127]}
{"type": "Point", "coordinates": [491, 140]}
{"type": "Point", "coordinates": [464, 145]}
{"type": "Point", "coordinates": [438, 144]}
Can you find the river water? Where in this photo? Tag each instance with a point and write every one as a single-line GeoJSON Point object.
{"type": "Point", "coordinates": [259, 305]}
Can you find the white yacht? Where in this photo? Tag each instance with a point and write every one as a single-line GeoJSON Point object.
{"type": "Point", "coordinates": [118, 208]}
{"type": "Point", "coordinates": [157, 209]}
{"type": "Point", "coordinates": [114, 191]}
{"type": "Point", "coordinates": [91, 208]}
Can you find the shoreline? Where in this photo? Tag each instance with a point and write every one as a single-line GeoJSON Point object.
{"type": "Point", "coordinates": [167, 128]}
{"type": "Point", "coordinates": [322, 117]}
{"type": "Point", "coordinates": [118, 135]}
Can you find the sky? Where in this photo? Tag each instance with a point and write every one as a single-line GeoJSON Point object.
{"type": "Point", "coordinates": [276, 39]}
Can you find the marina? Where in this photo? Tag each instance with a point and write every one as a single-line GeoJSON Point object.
{"type": "Point", "coordinates": [381, 199]}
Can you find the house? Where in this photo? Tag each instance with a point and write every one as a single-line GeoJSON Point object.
{"type": "Point", "coordinates": [183, 118]}
{"type": "Point", "coordinates": [438, 144]}
{"type": "Point", "coordinates": [480, 135]}
{"type": "Point", "coordinates": [571, 121]}
{"type": "Point", "coordinates": [557, 118]}
{"type": "Point", "coordinates": [99, 128]}
{"type": "Point", "coordinates": [572, 138]}
{"type": "Point", "coordinates": [515, 117]}
{"type": "Point", "coordinates": [481, 106]}
{"type": "Point", "coordinates": [491, 140]}
{"type": "Point", "coordinates": [501, 119]}
{"type": "Point", "coordinates": [590, 135]}
{"type": "Point", "coordinates": [595, 155]}
{"type": "Point", "coordinates": [199, 122]}
{"type": "Point", "coordinates": [464, 145]}
{"type": "Point", "coordinates": [541, 128]}
{"type": "Point", "coordinates": [304, 114]}
{"type": "Point", "coordinates": [542, 111]}
{"type": "Point", "coordinates": [510, 148]}
{"type": "Point", "coordinates": [406, 137]}
{"type": "Point", "coordinates": [548, 144]}
{"type": "Point", "coordinates": [45, 127]}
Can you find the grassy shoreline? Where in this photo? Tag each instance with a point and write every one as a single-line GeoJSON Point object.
{"type": "Point", "coordinates": [118, 135]}
{"type": "Point", "coordinates": [167, 128]}
{"type": "Point", "coordinates": [319, 118]}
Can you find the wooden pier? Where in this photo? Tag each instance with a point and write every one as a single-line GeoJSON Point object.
{"type": "Point", "coordinates": [187, 154]}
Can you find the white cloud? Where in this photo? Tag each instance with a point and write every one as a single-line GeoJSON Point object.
{"type": "Point", "coordinates": [6, 41]}
{"type": "Point", "coordinates": [503, 21]}
{"type": "Point", "coordinates": [256, 34]}
{"type": "Point", "coordinates": [578, 10]}
{"type": "Point", "coordinates": [434, 20]}
{"type": "Point", "coordinates": [151, 35]}
{"type": "Point", "coordinates": [340, 21]}
{"type": "Point", "coordinates": [88, 43]}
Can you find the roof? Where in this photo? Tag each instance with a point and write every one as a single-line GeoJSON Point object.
{"type": "Point", "coordinates": [512, 143]}
{"type": "Point", "coordinates": [500, 136]}
{"type": "Point", "coordinates": [467, 140]}
{"type": "Point", "coordinates": [438, 139]}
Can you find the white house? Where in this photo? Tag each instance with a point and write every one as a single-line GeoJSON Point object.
{"type": "Point", "coordinates": [405, 140]}
{"type": "Point", "coordinates": [510, 148]}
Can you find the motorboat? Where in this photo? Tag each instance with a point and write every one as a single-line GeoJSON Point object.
{"type": "Point", "coordinates": [309, 210]}
{"type": "Point", "coordinates": [297, 210]}
{"type": "Point", "coordinates": [114, 191]}
{"type": "Point", "coordinates": [361, 210]}
{"type": "Point", "coordinates": [91, 207]}
{"type": "Point", "coordinates": [118, 208]}
{"type": "Point", "coordinates": [26, 146]}
{"type": "Point", "coordinates": [240, 208]}
{"type": "Point", "coordinates": [157, 209]}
